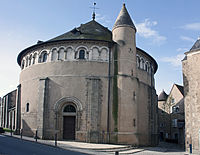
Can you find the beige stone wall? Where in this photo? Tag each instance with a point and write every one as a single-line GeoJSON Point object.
{"type": "Point", "coordinates": [191, 75]}
{"type": "Point", "coordinates": [49, 86]}
{"type": "Point", "coordinates": [66, 79]}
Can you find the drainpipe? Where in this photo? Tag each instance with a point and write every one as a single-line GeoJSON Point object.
{"type": "Point", "coordinates": [109, 80]}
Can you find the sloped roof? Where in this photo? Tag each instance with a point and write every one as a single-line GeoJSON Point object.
{"type": "Point", "coordinates": [163, 96]}
{"type": "Point", "coordinates": [181, 89]}
{"type": "Point", "coordinates": [91, 30]}
{"type": "Point", "coordinates": [196, 45]}
{"type": "Point", "coordinates": [124, 18]}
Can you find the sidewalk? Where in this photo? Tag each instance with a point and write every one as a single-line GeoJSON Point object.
{"type": "Point", "coordinates": [88, 148]}
{"type": "Point", "coordinates": [108, 149]}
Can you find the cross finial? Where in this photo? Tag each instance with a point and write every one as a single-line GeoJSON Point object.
{"type": "Point", "coordinates": [93, 15]}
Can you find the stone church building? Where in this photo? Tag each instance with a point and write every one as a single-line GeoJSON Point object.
{"type": "Point", "coordinates": [89, 84]}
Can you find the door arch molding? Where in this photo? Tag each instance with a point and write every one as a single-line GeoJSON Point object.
{"type": "Point", "coordinates": [59, 104]}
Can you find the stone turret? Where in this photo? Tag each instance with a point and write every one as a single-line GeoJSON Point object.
{"type": "Point", "coordinates": [124, 34]}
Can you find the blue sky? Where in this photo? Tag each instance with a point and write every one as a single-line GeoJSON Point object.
{"type": "Point", "coordinates": [165, 29]}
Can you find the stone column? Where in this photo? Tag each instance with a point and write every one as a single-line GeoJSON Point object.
{"type": "Point", "coordinates": [18, 111]}
{"type": "Point", "coordinates": [43, 91]}
{"type": "Point", "coordinates": [94, 92]}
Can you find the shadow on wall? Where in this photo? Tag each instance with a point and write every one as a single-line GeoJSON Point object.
{"type": "Point", "coordinates": [54, 91]}
{"type": "Point", "coordinates": [186, 85]}
{"type": "Point", "coordinates": [27, 131]}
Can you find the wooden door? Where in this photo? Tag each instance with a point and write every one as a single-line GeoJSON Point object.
{"type": "Point", "coordinates": [69, 127]}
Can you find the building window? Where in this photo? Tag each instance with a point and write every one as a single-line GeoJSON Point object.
{"type": "Point", "coordinates": [43, 57]}
{"type": "Point", "coordinates": [175, 109]}
{"type": "Point", "coordinates": [23, 64]}
{"type": "Point", "coordinates": [166, 135]}
{"type": "Point", "coordinates": [61, 54]}
{"type": "Point", "coordinates": [54, 55]}
{"type": "Point", "coordinates": [69, 108]}
{"type": "Point", "coordinates": [26, 61]}
{"type": "Point", "coordinates": [34, 57]}
{"type": "Point", "coordinates": [161, 124]}
{"type": "Point", "coordinates": [27, 107]}
{"type": "Point", "coordinates": [131, 72]}
{"type": "Point", "coordinates": [138, 62]}
{"type": "Point", "coordinates": [30, 59]}
{"type": "Point", "coordinates": [134, 122]}
{"type": "Point", "coordinates": [172, 101]}
{"type": "Point", "coordinates": [142, 63]}
{"type": "Point", "coordinates": [81, 54]}
{"type": "Point", "coordinates": [174, 123]}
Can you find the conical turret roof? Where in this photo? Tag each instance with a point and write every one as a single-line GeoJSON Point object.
{"type": "Point", "coordinates": [163, 96]}
{"type": "Point", "coordinates": [124, 19]}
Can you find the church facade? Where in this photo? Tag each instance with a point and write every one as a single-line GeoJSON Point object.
{"type": "Point", "coordinates": [89, 84]}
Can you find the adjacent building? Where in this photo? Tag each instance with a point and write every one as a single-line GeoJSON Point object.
{"type": "Point", "coordinates": [171, 115]}
{"type": "Point", "coordinates": [7, 110]}
{"type": "Point", "coordinates": [191, 79]}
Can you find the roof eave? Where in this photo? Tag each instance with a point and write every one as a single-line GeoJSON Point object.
{"type": "Point", "coordinates": [23, 52]}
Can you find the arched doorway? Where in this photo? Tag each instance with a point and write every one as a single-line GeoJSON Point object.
{"type": "Point", "coordinates": [69, 122]}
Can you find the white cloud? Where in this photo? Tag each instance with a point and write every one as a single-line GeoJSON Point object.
{"type": "Point", "coordinates": [174, 61]}
{"type": "Point", "coordinates": [192, 26]}
{"type": "Point", "coordinates": [182, 50]}
{"type": "Point", "coordinates": [102, 18]}
{"type": "Point", "coordinates": [145, 30]}
{"type": "Point", "coordinates": [185, 38]}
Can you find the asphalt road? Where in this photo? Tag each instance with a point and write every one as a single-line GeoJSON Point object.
{"type": "Point", "coordinates": [14, 146]}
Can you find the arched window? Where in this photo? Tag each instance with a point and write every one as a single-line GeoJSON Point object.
{"type": "Point", "coordinates": [152, 69]}
{"type": "Point", "coordinates": [69, 54]}
{"type": "Point", "coordinates": [54, 55]}
{"type": "Point", "coordinates": [61, 54]}
{"type": "Point", "coordinates": [142, 63]}
{"type": "Point", "coordinates": [34, 58]}
{"type": "Point", "coordinates": [26, 61]}
{"type": "Point", "coordinates": [43, 57]}
{"type": "Point", "coordinates": [69, 108]}
{"type": "Point", "coordinates": [30, 59]}
{"type": "Point", "coordinates": [146, 66]}
{"type": "Point", "coordinates": [149, 68]}
{"type": "Point", "coordinates": [27, 107]}
{"type": "Point", "coordinates": [23, 64]}
{"type": "Point", "coordinates": [81, 54]}
{"type": "Point", "coordinates": [138, 61]}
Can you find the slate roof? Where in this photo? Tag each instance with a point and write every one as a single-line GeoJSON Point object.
{"type": "Point", "coordinates": [181, 89]}
{"type": "Point", "coordinates": [196, 45]}
{"type": "Point", "coordinates": [163, 96]}
{"type": "Point", "coordinates": [91, 30]}
{"type": "Point", "coordinates": [124, 18]}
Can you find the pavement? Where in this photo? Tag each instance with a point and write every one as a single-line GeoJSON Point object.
{"type": "Point", "coordinates": [108, 149]}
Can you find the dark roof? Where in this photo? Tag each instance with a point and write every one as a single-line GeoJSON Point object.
{"type": "Point", "coordinates": [181, 89]}
{"type": "Point", "coordinates": [196, 45]}
{"type": "Point", "coordinates": [124, 18]}
{"type": "Point", "coordinates": [91, 30]}
{"type": "Point", "coordinates": [163, 96]}
{"type": "Point", "coordinates": [181, 102]}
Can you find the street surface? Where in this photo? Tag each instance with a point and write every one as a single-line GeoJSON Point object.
{"type": "Point", "coordinates": [14, 146]}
